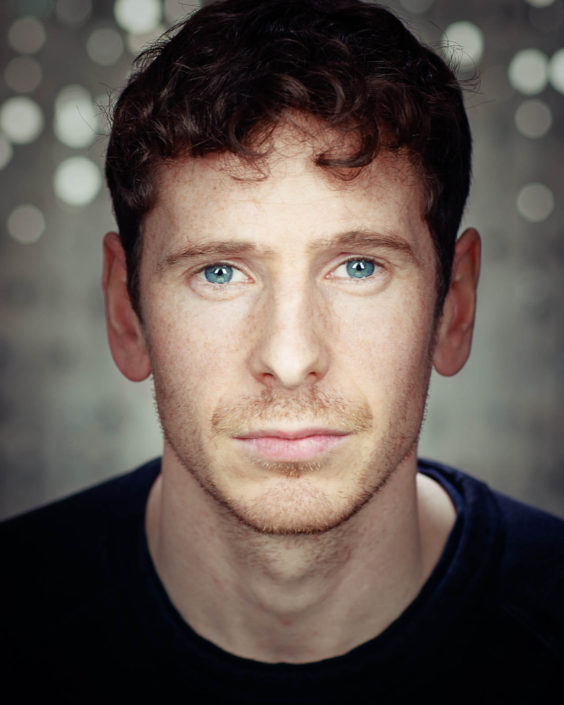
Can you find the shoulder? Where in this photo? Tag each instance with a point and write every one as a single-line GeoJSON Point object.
{"type": "Point", "coordinates": [84, 511]}
{"type": "Point", "coordinates": [523, 586]}
{"type": "Point", "coordinates": [60, 554]}
{"type": "Point", "coordinates": [531, 570]}
{"type": "Point", "coordinates": [68, 572]}
{"type": "Point", "coordinates": [528, 533]}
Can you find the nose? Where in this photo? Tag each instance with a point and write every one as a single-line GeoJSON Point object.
{"type": "Point", "coordinates": [290, 347]}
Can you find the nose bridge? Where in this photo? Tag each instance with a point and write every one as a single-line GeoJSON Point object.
{"type": "Point", "coordinates": [291, 347]}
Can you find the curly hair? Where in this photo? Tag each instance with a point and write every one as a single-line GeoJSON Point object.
{"type": "Point", "coordinates": [225, 77]}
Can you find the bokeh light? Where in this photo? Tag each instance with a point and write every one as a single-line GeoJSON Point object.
{"type": "Point", "coordinates": [463, 44]}
{"type": "Point", "coordinates": [535, 202]}
{"type": "Point", "coordinates": [73, 12]}
{"type": "Point", "coordinates": [137, 16]}
{"type": "Point", "coordinates": [104, 46]}
{"type": "Point", "coordinates": [533, 118]}
{"type": "Point", "coordinates": [26, 35]}
{"type": "Point", "coordinates": [556, 71]}
{"type": "Point", "coordinates": [23, 74]}
{"type": "Point", "coordinates": [76, 117]}
{"type": "Point", "coordinates": [136, 43]}
{"type": "Point", "coordinates": [21, 119]}
{"type": "Point", "coordinates": [539, 3]}
{"type": "Point", "coordinates": [528, 71]}
{"type": "Point", "coordinates": [26, 224]}
{"type": "Point", "coordinates": [6, 152]}
{"type": "Point", "coordinates": [77, 181]}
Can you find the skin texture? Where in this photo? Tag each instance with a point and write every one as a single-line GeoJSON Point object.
{"type": "Point", "coordinates": [258, 537]}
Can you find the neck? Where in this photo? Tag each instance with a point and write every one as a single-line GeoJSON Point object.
{"type": "Point", "coordinates": [294, 598]}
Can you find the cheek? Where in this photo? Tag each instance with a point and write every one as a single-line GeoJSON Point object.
{"type": "Point", "coordinates": [386, 341]}
{"type": "Point", "coordinates": [193, 345]}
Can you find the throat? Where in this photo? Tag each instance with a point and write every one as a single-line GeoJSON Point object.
{"type": "Point", "coordinates": [292, 577]}
{"type": "Point", "coordinates": [296, 598]}
{"type": "Point", "coordinates": [311, 598]}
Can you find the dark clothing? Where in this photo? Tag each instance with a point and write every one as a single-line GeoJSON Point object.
{"type": "Point", "coordinates": [86, 619]}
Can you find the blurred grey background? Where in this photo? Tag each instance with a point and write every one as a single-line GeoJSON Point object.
{"type": "Point", "coordinates": [69, 420]}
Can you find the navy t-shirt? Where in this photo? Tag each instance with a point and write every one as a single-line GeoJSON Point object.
{"type": "Point", "coordinates": [86, 619]}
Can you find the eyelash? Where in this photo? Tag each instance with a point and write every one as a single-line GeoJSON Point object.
{"type": "Point", "coordinates": [377, 267]}
{"type": "Point", "coordinates": [200, 272]}
{"type": "Point", "coordinates": [375, 263]}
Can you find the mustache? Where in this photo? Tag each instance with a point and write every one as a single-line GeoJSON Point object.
{"type": "Point", "coordinates": [310, 407]}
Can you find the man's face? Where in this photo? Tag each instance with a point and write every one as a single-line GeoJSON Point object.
{"type": "Point", "coordinates": [289, 323]}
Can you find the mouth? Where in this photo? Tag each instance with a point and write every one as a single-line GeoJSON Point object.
{"type": "Point", "coordinates": [292, 445]}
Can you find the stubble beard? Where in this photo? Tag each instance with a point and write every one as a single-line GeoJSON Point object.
{"type": "Point", "coordinates": [295, 504]}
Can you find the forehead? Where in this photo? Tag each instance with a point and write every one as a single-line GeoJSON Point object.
{"type": "Point", "coordinates": [285, 195]}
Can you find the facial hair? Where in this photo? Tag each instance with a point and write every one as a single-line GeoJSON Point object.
{"type": "Point", "coordinates": [272, 409]}
{"type": "Point", "coordinates": [303, 507]}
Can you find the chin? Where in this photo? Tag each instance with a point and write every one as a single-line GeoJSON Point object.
{"type": "Point", "coordinates": [294, 505]}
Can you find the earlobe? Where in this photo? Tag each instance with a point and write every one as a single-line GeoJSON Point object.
{"type": "Point", "coordinates": [456, 325]}
{"type": "Point", "coordinates": [125, 333]}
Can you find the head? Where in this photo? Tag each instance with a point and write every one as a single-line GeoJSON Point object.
{"type": "Point", "coordinates": [288, 180]}
{"type": "Point", "coordinates": [222, 81]}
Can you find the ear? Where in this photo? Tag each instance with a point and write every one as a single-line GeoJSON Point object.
{"type": "Point", "coordinates": [125, 333]}
{"type": "Point", "coordinates": [456, 325]}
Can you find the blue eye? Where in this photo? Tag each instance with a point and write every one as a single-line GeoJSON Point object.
{"type": "Point", "coordinates": [360, 268]}
{"type": "Point", "coordinates": [219, 273]}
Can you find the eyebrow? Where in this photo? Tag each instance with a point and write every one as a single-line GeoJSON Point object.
{"type": "Point", "coordinates": [359, 239]}
{"type": "Point", "coordinates": [352, 239]}
{"type": "Point", "coordinates": [213, 249]}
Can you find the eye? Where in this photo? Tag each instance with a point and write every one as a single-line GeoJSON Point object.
{"type": "Point", "coordinates": [359, 268]}
{"type": "Point", "coordinates": [222, 274]}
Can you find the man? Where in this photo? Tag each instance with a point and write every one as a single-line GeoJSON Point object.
{"type": "Point", "coordinates": [288, 179]}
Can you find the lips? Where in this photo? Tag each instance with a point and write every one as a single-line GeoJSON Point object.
{"type": "Point", "coordinates": [291, 445]}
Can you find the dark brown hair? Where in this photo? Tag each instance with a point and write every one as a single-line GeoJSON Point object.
{"type": "Point", "coordinates": [218, 82]}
